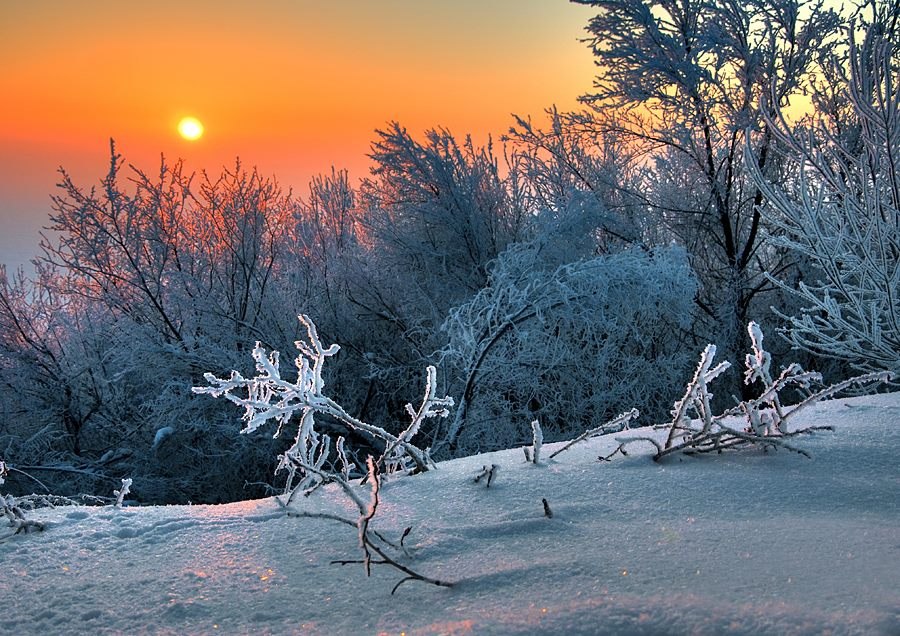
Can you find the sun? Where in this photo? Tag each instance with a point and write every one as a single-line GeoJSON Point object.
{"type": "Point", "coordinates": [190, 128]}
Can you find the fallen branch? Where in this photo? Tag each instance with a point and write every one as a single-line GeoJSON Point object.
{"type": "Point", "coordinates": [17, 519]}
{"type": "Point", "coordinates": [765, 417]}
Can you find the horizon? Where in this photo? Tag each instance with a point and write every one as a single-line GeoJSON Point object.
{"type": "Point", "coordinates": [292, 90]}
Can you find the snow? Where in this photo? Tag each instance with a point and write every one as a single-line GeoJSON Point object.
{"type": "Point", "coordinates": [744, 542]}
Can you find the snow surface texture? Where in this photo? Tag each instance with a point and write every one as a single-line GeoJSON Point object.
{"type": "Point", "coordinates": [744, 543]}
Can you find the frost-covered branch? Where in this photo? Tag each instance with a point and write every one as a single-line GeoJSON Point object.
{"type": "Point", "coordinates": [613, 426]}
{"type": "Point", "coordinates": [10, 509]}
{"type": "Point", "coordinates": [432, 406]}
{"type": "Point", "coordinates": [697, 396]}
{"type": "Point", "coordinates": [537, 437]}
{"type": "Point", "coordinates": [842, 213]}
{"type": "Point", "coordinates": [270, 397]}
{"type": "Point", "coordinates": [764, 418]}
{"type": "Point", "coordinates": [122, 492]}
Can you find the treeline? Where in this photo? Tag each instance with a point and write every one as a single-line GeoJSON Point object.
{"type": "Point", "coordinates": [569, 274]}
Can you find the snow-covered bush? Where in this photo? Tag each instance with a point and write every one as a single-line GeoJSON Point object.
{"type": "Point", "coordinates": [270, 397]}
{"type": "Point", "coordinates": [572, 345]}
{"type": "Point", "coordinates": [763, 421]}
{"type": "Point", "coordinates": [309, 460]}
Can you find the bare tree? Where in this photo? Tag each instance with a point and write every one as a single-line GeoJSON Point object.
{"type": "Point", "coordinates": [121, 249]}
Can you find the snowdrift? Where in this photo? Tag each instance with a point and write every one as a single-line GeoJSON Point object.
{"type": "Point", "coordinates": [743, 543]}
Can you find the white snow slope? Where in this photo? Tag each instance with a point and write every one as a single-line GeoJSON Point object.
{"type": "Point", "coordinates": [745, 543]}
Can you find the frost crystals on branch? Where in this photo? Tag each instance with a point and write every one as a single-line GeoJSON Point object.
{"type": "Point", "coordinates": [841, 214]}
{"type": "Point", "coordinates": [694, 428]}
{"type": "Point", "coordinates": [613, 426]}
{"type": "Point", "coordinates": [537, 441]}
{"type": "Point", "coordinates": [394, 457]}
{"type": "Point", "coordinates": [271, 397]}
{"type": "Point", "coordinates": [10, 509]}
{"type": "Point", "coordinates": [122, 492]}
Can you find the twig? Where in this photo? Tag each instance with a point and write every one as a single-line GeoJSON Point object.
{"type": "Point", "coordinates": [66, 469]}
{"type": "Point", "coordinates": [31, 477]}
{"type": "Point", "coordinates": [603, 429]}
{"type": "Point", "coordinates": [488, 472]}
{"type": "Point", "coordinates": [547, 512]}
{"type": "Point", "coordinates": [411, 575]}
{"type": "Point", "coordinates": [365, 532]}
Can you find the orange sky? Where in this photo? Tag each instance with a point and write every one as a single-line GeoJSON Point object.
{"type": "Point", "coordinates": [292, 86]}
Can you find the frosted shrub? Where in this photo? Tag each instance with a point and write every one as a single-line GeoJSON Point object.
{"type": "Point", "coordinates": [309, 462]}
{"type": "Point", "coordinates": [763, 421]}
{"type": "Point", "coordinates": [270, 397]}
{"type": "Point", "coordinates": [572, 345]}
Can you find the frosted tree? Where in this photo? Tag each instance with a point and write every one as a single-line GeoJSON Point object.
{"type": "Point", "coordinates": [146, 280]}
{"type": "Point", "coordinates": [571, 177]}
{"type": "Point", "coordinates": [438, 204]}
{"type": "Point", "coordinates": [679, 83]}
{"type": "Point", "coordinates": [842, 212]}
{"type": "Point", "coordinates": [59, 405]}
{"type": "Point", "coordinates": [435, 211]}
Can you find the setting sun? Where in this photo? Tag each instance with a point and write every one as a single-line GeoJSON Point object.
{"type": "Point", "coordinates": [190, 128]}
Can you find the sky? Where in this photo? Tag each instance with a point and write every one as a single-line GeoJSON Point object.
{"type": "Point", "coordinates": [291, 86]}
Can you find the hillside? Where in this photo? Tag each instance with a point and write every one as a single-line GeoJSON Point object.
{"type": "Point", "coordinates": [744, 542]}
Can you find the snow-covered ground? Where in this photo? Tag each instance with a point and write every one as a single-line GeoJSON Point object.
{"type": "Point", "coordinates": [746, 543]}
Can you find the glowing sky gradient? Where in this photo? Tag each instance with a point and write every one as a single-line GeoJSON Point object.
{"type": "Point", "coordinates": [292, 86]}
